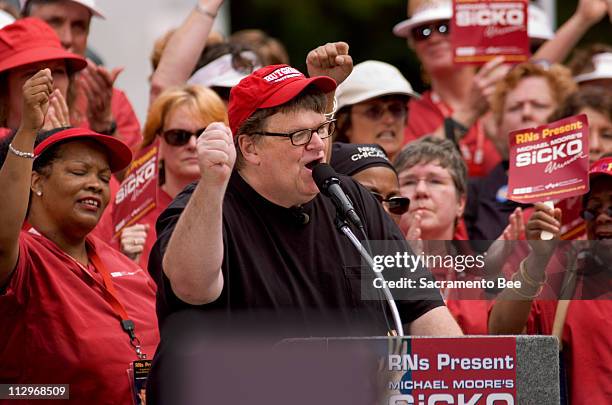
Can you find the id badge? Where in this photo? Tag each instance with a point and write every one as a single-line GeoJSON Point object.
{"type": "Point", "coordinates": [139, 372]}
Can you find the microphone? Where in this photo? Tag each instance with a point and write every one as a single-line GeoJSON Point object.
{"type": "Point", "coordinates": [326, 179]}
{"type": "Point", "coordinates": [299, 215]}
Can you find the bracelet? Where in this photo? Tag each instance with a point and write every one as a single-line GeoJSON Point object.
{"type": "Point", "coordinates": [27, 155]}
{"type": "Point", "coordinates": [200, 9]}
{"type": "Point", "coordinates": [528, 279]}
{"type": "Point", "coordinates": [517, 291]}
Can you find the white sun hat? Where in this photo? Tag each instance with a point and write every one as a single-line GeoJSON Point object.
{"type": "Point", "coordinates": [222, 73]}
{"type": "Point", "coordinates": [603, 68]}
{"type": "Point", "coordinates": [372, 79]}
{"type": "Point", "coordinates": [538, 25]}
{"type": "Point", "coordinates": [90, 4]}
{"type": "Point", "coordinates": [428, 12]}
{"type": "Point", "coordinates": [5, 18]}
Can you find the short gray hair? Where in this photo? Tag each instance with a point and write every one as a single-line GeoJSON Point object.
{"type": "Point", "coordinates": [429, 149]}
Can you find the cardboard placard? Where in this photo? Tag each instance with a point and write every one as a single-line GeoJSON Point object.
{"type": "Point", "coordinates": [441, 371]}
{"type": "Point", "coordinates": [483, 30]}
{"type": "Point", "coordinates": [137, 194]}
{"type": "Point", "coordinates": [549, 162]}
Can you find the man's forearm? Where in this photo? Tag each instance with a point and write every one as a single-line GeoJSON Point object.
{"type": "Point", "coordinates": [192, 261]}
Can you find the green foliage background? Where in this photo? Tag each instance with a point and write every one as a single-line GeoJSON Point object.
{"type": "Point", "coordinates": [365, 24]}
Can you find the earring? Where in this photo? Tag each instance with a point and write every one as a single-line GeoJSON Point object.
{"type": "Point", "coordinates": [39, 193]}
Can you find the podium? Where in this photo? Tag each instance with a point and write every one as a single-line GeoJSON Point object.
{"type": "Point", "coordinates": [456, 368]}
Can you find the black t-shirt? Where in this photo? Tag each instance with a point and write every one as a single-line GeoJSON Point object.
{"type": "Point", "coordinates": [275, 262]}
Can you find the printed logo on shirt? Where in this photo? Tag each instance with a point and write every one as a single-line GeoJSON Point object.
{"type": "Point", "coordinates": [124, 273]}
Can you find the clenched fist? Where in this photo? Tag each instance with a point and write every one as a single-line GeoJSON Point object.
{"type": "Point", "coordinates": [216, 154]}
{"type": "Point", "coordinates": [36, 92]}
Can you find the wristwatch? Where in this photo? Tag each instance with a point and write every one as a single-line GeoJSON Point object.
{"type": "Point", "coordinates": [110, 130]}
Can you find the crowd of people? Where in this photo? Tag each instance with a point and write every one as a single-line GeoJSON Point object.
{"type": "Point", "coordinates": [240, 224]}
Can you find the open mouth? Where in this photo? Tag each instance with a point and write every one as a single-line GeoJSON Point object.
{"type": "Point", "coordinates": [603, 236]}
{"type": "Point", "coordinates": [386, 135]}
{"type": "Point", "coordinates": [312, 164]}
{"type": "Point", "coordinates": [90, 203]}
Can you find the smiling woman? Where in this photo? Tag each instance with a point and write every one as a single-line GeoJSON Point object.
{"type": "Point", "coordinates": [60, 287]}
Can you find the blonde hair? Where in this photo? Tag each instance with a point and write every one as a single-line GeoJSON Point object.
{"type": "Point", "coordinates": [559, 80]}
{"type": "Point", "coordinates": [202, 101]}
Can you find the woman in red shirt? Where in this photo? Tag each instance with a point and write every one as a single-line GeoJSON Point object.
{"type": "Point", "coordinates": [72, 309]}
{"type": "Point", "coordinates": [175, 119]}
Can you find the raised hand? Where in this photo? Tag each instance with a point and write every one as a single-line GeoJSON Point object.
{"type": "Point", "coordinates": [36, 93]}
{"type": "Point", "coordinates": [592, 11]}
{"type": "Point", "coordinates": [133, 239]}
{"type": "Point", "coordinates": [483, 87]}
{"type": "Point", "coordinates": [543, 219]}
{"type": "Point", "coordinates": [216, 154]}
{"type": "Point", "coordinates": [97, 84]}
{"type": "Point", "coordinates": [331, 59]}
{"type": "Point", "coordinates": [57, 115]}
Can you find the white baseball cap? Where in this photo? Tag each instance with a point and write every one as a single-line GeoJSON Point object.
{"type": "Point", "coordinates": [603, 68]}
{"type": "Point", "coordinates": [90, 4]}
{"type": "Point", "coordinates": [221, 72]}
{"type": "Point", "coordinates": [372, 79]}
{"type": "Point", "coordinates": [538, 24]}
{"type": "Point", "coordinates": [5, 18]}
{"type": "Point", "coordinates": [428, 12]}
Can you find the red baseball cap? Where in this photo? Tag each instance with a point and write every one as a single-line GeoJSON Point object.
{"type": "Point", "coordinates": [267, 87]}
{"type": "Point", "coordinates": [602, 167]}
{"type": "Point", "coordinates": [31, 40]}
{"type": "Point", "coordinates": [120, 155]}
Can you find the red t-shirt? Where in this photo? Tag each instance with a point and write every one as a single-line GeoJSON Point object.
{"type": "Point", "coordinates": [587, 346]}
{"type": "Point", "coordinates": [128, 126]}
{"type": "Point", "coordinates": [425, 115]}
{"type": "Point", "coordinates": [58, 328]}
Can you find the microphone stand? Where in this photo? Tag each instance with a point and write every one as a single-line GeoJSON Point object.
{"type": "Point", "coordinates": [343, 227]}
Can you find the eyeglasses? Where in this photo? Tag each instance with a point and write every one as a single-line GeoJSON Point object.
{"type": "Point", "coordinates": [376, 111]}
{"type": "Point", "coordinates": [180, 137]}
{"type": "Point", "coordinates": [590, 214]}
{"type": "Point", "coordinates": [423, 32]}
{"type": "Point", "coordinates": [303, 136]}
{"type": "Point", "coordinates": [397, 205]}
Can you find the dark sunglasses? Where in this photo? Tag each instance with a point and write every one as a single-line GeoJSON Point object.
{"type": "Point", "coordinates": [180, 137]}
{"type": "Point", "coordinates": [590, 214]}
{"type": "Point", "coordinates": [422, 32]}
{"type": "Point", "coordinates": [375, 112]}
{"type": "Point", "coordinates": [397, 205]}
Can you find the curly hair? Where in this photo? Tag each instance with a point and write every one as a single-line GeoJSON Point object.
{"type": "Point", "coordinates": [559, 79]}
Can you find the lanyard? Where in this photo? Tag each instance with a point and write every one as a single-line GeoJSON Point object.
{"type": "Point", "coordinates": [480, 135]}
{"type": "Point", "coordinates": [111, 296]}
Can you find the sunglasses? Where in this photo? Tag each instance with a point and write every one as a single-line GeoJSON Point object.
{"type": "Point", "coordinates": [423, 32]}
{"type": "Point", "coordinates": [180, 137]}
{"type": "Point", "coordinates": [375, 112]}
{"type": "Point", "coordinates": [396, 205]}
{"type": "Point", "coordinates": [590, 214]}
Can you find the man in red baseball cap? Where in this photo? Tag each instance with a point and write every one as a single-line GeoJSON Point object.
{"type": "Point", "coordinates": [259, 235]}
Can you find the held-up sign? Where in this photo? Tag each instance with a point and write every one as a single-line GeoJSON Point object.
{"type": "Point", "coordinates": [137, 194]}
{"type": "Point", "coordinates": [549, 162]}
{"type": "Point", "coordinates": [482, 30]}
{"type": "Point", "coordinates": [440, 371]}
